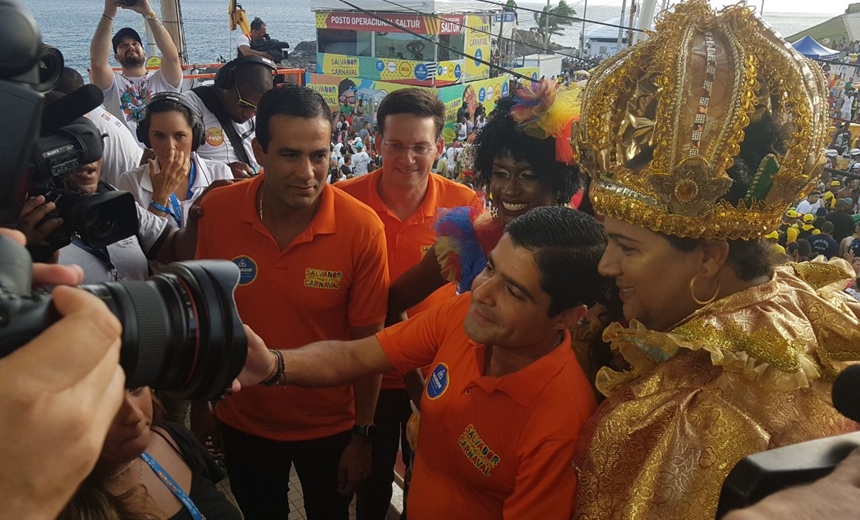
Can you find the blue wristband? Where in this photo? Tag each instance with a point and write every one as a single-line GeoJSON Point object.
{"type": "Point", "coordinates": [160, 208]}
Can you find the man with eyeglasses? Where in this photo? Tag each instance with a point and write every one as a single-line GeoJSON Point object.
{"type": "Point", "coordinates": [229, 108]}
{"type": "Point", "coordinates": [406, 197]}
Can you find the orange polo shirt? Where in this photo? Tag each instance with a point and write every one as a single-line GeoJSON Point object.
{"type": "Point", "coordinates": [489, 447]}
{"type": "Point", "coordinates": [333, 276]}
{"type": "Point", "coordinates": [409, 240]}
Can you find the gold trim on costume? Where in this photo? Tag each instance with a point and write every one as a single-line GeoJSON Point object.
{"type": "Point", "coordinates": [662, 122]}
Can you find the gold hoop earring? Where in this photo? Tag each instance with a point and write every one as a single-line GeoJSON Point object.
{"type": "Point", "coordinates": [693, 292]}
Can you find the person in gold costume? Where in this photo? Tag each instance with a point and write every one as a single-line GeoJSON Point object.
{"type": "Point", "coordinates": [696, 141]}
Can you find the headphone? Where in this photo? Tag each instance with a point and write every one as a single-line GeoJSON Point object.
{"type": "Point", "coordinates": [198, 132]}
{"type": "Point", "coordinates": [225, 78]}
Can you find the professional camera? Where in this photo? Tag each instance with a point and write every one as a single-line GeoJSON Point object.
{"type": "Point", "coordinates": [275, 48]}
{"type": "Point", "coordinates": [98, 219]}
{"type": "Point", "coordinates": [181, 331]}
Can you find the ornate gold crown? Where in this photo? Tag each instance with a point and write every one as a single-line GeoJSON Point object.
{"type": "Point", "coordinates": [685, 95]}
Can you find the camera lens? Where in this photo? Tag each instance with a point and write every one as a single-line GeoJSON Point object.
{"type": "Point", "coordinates": [180, 328]}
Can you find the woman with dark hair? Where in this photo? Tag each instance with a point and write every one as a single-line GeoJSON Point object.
{"type": "Point", "coordinates": [697, 141]}
{"type": "Point", "coordinates": [519, 170]}
{"type": "Point", "coordinates": [168, 185]}
{"type": "Point", "coordinates": [150, 470]}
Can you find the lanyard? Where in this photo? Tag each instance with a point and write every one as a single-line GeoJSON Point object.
{"type": "Point", "coordinates": [102, 254]}
{"type": "Point", "coordinates": [173, 487]}
{"type": "Point", "coordinates": [176, 212]}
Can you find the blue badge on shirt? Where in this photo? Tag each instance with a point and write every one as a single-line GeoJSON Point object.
{"type": "Point", "coordinates": [438, 381]}
{"type": "Point", "coordinates": [247, 269]}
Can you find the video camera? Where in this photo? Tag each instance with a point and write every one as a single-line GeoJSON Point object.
{"type": "Point", "coordinates": [181, 331]}
{"type": "Point", "coordinates": [275, 48]}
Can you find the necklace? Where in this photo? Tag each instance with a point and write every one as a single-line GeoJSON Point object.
{"type": "Point", "coordinates": [120, 473]}
{"type": "Point", "coordinates": [260, 207]}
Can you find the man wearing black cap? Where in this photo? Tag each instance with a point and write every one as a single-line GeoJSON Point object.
{"type": "Point", "coordinates": [127, 92]}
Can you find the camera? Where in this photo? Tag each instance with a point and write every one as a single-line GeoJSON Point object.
{"type": "Point", "coordinates": [97, 219]}
{"type": "Point", "coordinates": [128, 3]}
{"type": "Point", "coordinates": [181, 331]}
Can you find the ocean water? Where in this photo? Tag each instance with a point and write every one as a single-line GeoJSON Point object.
{"type": "Point", "coordinates": [69, 24]}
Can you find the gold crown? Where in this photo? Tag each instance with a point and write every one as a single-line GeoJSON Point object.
{"type": "Point", "coordinates": [685, 95]}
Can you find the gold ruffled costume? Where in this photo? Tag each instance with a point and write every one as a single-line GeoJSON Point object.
{"type": "Point", "coordinates": [661, 124]}
{"type": "Point", "coordinates": [747, 373]}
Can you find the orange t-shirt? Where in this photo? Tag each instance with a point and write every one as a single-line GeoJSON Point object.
{"type": "Point", "coordinates": [489, 447]}
{"type": "Point", "coordinates": [409, 240]}
{"type": "Point", "coordinates": [333, 276]}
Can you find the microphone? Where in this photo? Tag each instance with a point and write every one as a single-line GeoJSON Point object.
{"type": "Point", "coordinates": [846, 393]}
{"type": "Point", "coordinates": [66, 109]}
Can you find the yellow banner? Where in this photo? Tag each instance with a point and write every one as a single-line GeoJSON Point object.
{"type": "Point", "coordinates": [340, 65]}
{"type": "Point", "coordinates": [477, 45]}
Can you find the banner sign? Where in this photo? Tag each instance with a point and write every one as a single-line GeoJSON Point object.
{"type": "Point", "coordinates": [477, 45]}
{"type": "Point", "coordinates": [417, 23]}
{"type": "Point", "coordinates": [391, 69]}
{"type": "Point", "coordinates": [340, 92]}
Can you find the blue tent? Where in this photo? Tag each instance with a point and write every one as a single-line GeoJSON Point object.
{"type": "Point", "coordinates": [812, 49]}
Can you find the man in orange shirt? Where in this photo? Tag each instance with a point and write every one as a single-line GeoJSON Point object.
{"type": "Point", "coordinates": [406, 196]}
{"type": "Point", "coordinates": [313, 267]}
{"type": "Point", "coordinates": [506, 399]}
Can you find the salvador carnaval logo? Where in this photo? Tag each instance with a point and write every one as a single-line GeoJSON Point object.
{"type": "Point", "coordinates": [247, 269]}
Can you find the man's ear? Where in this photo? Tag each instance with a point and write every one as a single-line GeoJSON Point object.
{"type": "Point", "coordinates": [568, 318]}
{"type": "Point", "coordinates": [259, 154]}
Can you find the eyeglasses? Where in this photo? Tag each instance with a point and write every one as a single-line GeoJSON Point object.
{"type": "Point", "coordinates": [244, 103]}
{"type": "Point", "coordinates": [417, 149]}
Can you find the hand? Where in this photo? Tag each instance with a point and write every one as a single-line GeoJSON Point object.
{"type": "Point", "coordinates": [412, 426]}
{"type": "Point", "coordinates": [355, 465]}
{"type": "Point", "coordinates": [196, 210]}
{"type": "Point", "coordinates": [204, 426]}
{"type": "Point", "coordinates": [241, 170]}
{"type": "Point", "coordinates": [111, 7]}
{"type": "Point", "coordinates": [142, 6]}
{"type": "Point", "coordinates": [260, 363]}
{"type": "Point", "coordinates": [63, 390]}
{"type": "Point", "coordinates": [834, 496]}
{"type": "Point", "coordinates": [34, 210]}
{"type": "Point", "coordinates": [172, 176]}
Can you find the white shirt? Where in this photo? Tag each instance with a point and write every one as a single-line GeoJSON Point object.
{"type": "Point", "coordinates": [138, 183]}
{"type": "Point", "coordinates": [121, 150]}
{"type": "Point", "coordinates": [217, 146]}
{"type": "Point", "coordinates": [806, 208]}
{"type": "Point", "coordinates": [126, 98]}
{"type": "Point", "coordinates": [359, 163]}
{"type": "Point", "coordinates": [127, 256]}
{"type": "Point", "coordinates": [242, 40]}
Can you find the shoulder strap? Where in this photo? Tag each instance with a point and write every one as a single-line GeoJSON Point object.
{"type": "Point", "coordinates": [207, 95]}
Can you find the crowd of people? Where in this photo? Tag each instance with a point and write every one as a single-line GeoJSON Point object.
{"type": "Point", "coordinates": [592, 306]}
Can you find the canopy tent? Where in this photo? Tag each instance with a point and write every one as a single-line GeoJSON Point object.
{"type": "Point", "coordinates": [812, 49]}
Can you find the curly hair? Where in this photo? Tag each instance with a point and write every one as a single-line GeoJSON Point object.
{"type": "Point", "coordinates": [501, 136]}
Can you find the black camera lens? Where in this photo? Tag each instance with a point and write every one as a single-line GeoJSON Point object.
{"type": "Point", "coordinates": [180, 328]}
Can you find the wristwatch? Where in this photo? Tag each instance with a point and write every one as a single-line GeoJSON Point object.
{"type": "Point", "coordinates": [367, 431]}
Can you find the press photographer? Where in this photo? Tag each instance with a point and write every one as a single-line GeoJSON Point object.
{"type": "Point", "coordinates": [59, 376]}
{"type": "Point", "coordinates": [259, 43]}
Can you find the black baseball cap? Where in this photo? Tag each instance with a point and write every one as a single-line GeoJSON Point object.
{"type": "Point", "coordinates": [122, 33]}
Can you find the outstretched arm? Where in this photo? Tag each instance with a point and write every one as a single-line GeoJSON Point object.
{"type": "Point", "coordinates": [413, 286]}
{"type": "Point", "coordinates": [321, 364]}
{"type": "Point", "coordinates": [101, 74]}
{"type": "Point", "coordinates": [171, 67]}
